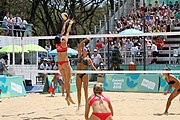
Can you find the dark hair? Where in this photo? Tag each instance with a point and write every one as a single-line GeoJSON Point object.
{"type": "Point", "coordinates": [57, 39]}
{"type": "Point", "coordinates": [5, 57]}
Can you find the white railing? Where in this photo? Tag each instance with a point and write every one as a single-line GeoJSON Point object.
{"type": "Point", "coordinates": [10, 29]}
{"type": "Point", "coordinates": [128, 56]}
{"type": "Point", "coordinates": [123, 10]}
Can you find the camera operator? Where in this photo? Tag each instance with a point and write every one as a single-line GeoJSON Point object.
{"type": "Point", "coordinates": [115, 59]}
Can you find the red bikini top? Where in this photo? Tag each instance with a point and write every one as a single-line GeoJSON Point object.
{"type": "Point", "coordinates": [97, 98]}
{"type": "Point", "coordinates": [60, 48]}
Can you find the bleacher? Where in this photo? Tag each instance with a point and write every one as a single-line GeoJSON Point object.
{"type": "Point", "coordinates": [167, 56]}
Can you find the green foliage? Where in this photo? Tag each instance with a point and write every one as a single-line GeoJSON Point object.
{"type": "Point", "coordinates": [45, 14]}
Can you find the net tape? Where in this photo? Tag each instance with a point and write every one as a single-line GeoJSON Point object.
{"type": "Point", "coordinates": [106, 71]}
{"type": "Point", "coordinates": [110, 35]}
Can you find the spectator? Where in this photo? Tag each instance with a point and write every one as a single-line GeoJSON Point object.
{"type": "Point", "coordinates": [48, 46]}
{"type": "Point", "coordinates": [154, 52]}
{"type": "Point", "coordinates": [171, 5]}
{"type": "Point", "coordinates": [23, 26]}
{"type": "Point", "coordinates": [129, 45]}
{"type": "Point", "coordinates": [17, 23]}
{"type": "Point", "coordinates": [3, 67]}
{"type": "Point", "coordinates": [96, 58]}
{"type": "Point", "coordinates": [115, 59]}
{"type": "Point", "coordinates": [117, 24]}
{"type": "Point", "coordinates": [54, 65]}
{"type": "Point", "coordinates": [168, 23]}
{"type": "Point", "coordinates": [101, 75]}
{"type": "Point", "coordinates": [159, 43]}
{"type": "Point", "coordinates": [10, 24]}
{"type": "Point", "coordinates": [49, 64]}
{"type": "Point", "coordinates": [156, 4]}
{"type": "Point", "coordinates": [178, 60]}
{"type": "Point", "coordinates": [99, 45]}
{"type": "Point", "coordinates": [176, 5]}
{"type": "Point", "coordinates": [5, 24]}
{"type": "Point", "coordinates": [43, 66]}
{"type": "Point", "coordinates": [178, 17]}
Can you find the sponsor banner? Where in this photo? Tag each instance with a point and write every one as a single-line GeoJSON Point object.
{"type": "Point", "coordinates": [131, 82]}
{"type": "Point", "coordinates": [12, 86]}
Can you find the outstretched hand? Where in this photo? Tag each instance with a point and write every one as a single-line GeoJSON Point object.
{"type": "Point", "coordinates": [67, 21]}
{"type": "Point", "coordinates": [71, 21]}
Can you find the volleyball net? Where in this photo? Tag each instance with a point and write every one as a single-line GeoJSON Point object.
{"type": "Point", "coordinates": [26, 62]}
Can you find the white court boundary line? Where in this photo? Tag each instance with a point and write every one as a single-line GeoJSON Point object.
{"type": "Point", "coordinates": [106, 35]}
{"type": "Point", "coordinates": [105, 71]}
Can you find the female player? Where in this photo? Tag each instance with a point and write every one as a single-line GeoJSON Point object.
{"type": "Point", "coordinates": [63, 60]}
{"type": "Point", "coordinates": [82, 64]}
{"type": "Point", "coordinates": [101, 105]}
{"type": "Point", "coordinates": [173, 82]}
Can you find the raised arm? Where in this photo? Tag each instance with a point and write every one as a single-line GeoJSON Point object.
{"type": "Point", "coordinates": [80, 46]}
{"type": "Point", "coordinates": [64, 27]}
{"type": "Point", "coordinates": [69, 29]}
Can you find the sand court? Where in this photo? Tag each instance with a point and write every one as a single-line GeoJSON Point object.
{"type": "Point", "coordinates": [127, 106]}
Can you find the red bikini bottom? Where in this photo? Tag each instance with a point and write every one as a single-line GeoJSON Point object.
{"type": "Point", "coordinates": [102, 116]}
{"type": "Point", "coordinates": [62, 62]}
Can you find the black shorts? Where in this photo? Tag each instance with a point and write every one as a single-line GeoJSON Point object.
{"type": "Point", "coordinates": [155, 54]}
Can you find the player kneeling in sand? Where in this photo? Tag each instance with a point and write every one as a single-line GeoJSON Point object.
{"type": "Point", "coordinates": [101, 105]}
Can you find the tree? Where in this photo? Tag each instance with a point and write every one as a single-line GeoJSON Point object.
{"type": "Point", "coordinates": [45, 14]}
{"type": "Point", "coordinates": [48, 11]}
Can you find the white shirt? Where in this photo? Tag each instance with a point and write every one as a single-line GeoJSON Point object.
{"type": "Point", "coordinates": [55, 67]}
{"type": "Point", "coordinates": [154, 48]}
{"type": "Point", "coordinates": [24, 23]}
{"type": "Point", "coordinates": [43, 66]}
{"type": "Point", "coordinates": [48, 48]}
{"type": "Point", "coordinates": [17, 20]}
{"type": "Point", "coordinates": [6, 19]}
{"type": "Point", "coordinates": [2, 61]}
{"type": "Point", "coordinates": [96, 59]}
{"type": "Point", "coordinates": [49, 67]}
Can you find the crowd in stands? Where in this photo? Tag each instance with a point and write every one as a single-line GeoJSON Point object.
{"type": "Point", "coordinates": [13, 25]}
{"type": "Point", "coordinates": [158, 18]}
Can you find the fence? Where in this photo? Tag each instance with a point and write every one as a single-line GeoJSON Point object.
{"type": "Point", "coordinates": [9, 30]}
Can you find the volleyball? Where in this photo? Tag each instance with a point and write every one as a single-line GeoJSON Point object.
{"type": "Point", "coordinates": [64, 16]}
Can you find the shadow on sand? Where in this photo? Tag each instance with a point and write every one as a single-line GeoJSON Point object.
{"type": "Point", "coordinates": [160, 114]}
